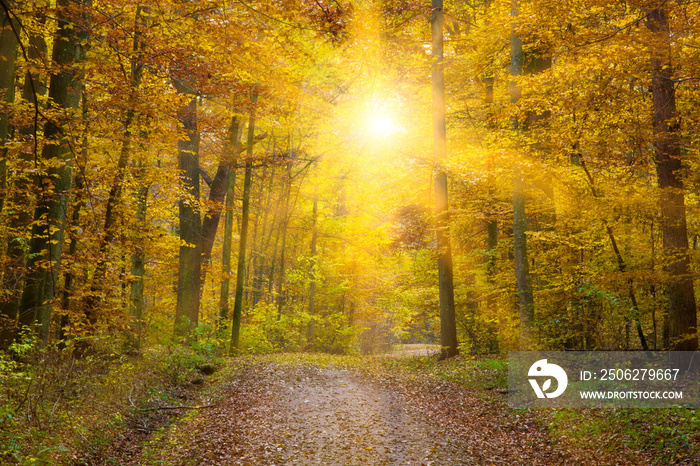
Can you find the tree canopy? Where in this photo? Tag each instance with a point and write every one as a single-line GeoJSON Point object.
{"type": "Point", "coordinates": [266, 173]}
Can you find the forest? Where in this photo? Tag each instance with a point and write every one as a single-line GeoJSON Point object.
{"type": "Point", "coordinates": [182, 182]}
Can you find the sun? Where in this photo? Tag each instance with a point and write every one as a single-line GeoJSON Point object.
{"type": "Point", "coordinates": [380, 123]}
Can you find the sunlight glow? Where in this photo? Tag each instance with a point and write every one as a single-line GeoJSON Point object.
{"type": "Point", "coordinates": [381, 124]}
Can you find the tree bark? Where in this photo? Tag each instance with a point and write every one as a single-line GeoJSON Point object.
{"type": "Point", "coordinates": [682, 312]}
{"type": "Point", "coordinates": [265, 238]}
{"type": "Point", "coordinates": [228, 226]}
{"type": "Point", "coordinates": [78, 204]}
{"type": "Point", "coordinates": [34, 87]}
{"type": "Point", "coordinates": [217, 196]}
{"type": "Point", "coordinates": [8, 56]}
{"type": "Point", "coordinates": [283, 246]}
{"type": "Point", "coordinates": [114, 198]}
{"type": "Point", "coordinates": [138, 259]}
{"type": "Point", "coordinates": [190, 260]}
{"type": "Point", "coordinates": [245, 214]}
{"type": "Point", "coordinates": [448, 326]}
{"type": "Point", "coordinates": [50, 213]}
{"type": "Point", "coordinates": [522, 269]}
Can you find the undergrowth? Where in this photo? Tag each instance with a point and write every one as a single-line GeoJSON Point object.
{"type": "Point", "coordinates": [56, 408]}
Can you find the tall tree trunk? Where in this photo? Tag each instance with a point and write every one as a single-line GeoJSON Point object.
{"type": "Point", "coordinates": [78, 204]}
{"type": "Point", "coordinates": [138, 259]}
{"type": "Point", "coordinates": [265, 239]}
{"type": "Point", "coordinates": [228, 224]}
{"type": "Point", "coordinates": [8, 56]}
{"type": "Point", "coordinates": [275, 245]}
{"type": "Point", "coordinates": [682, 311]}
{"type": "Point", "coordinates": [50, 213]}
{"type": "Point", "coordinates": [114, 198]}
{"type": "Point", "coordinates": [283, 246]}
{"type": "Point", "coordinates": [190, 261]}
{"type": "Point", "coordinates": [33, 88]}
{"type": "Point", "coordinates": [448, 326]}
{"type": "Point", "coordinates": [249, 290]}
{"type": "Point", "coordinates": [491, 228]}
{"type": "Point", "coordinates": [218, 187]}
{"type": "Point", "coordinates": [522, 270]}
{"type": "Point", "coordinates": [245, 213]}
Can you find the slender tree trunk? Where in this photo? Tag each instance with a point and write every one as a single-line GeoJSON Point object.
{"type": "Point", "coordinates": [249, 290]}
{"type": "Point", "coordinates": [217, 194]}
{"type": "Point", "coordinates": [190, 261]}
{"type": "Point", "coordinates": [682, 311]}
{"type": "Point", "coordinates": [8, 56]}
{"type": "Point", "coordinates": [273, 260]}
{"type": "Point", "coordinates": [652, 287]}
{"type": "Point", "coordinates": [283, 246]}
{"type": "Point", "coordinates": [78, 204]}
{"type": "Point", "coordinates": [265, 239]}
{"type": "Point", "coordinates": [13, 276]}
{"type": "Point", "coordinates": [68, 280]}
{"type": "Point", "coordinates": [312, 270]}
{"type": "Point", "coordinates": [50, 214]}
{"type": "Point", "coordinates": [240, 275]}
{"type": "Point", "coordinates": [228, 224]}
{"type": "Point", "coordinates": [138, 259]}
{"type": "Point", "coordinates": [491, 229]}
{"type": "Point", "coordinates": [275, 229]}
{"type": "Point", "coordinates": [226, 259]}
{"type": "Point", "coordinates": [448, 326]}
{"type": "Point", "coordinates": [114, 198]}
{"type": "Point", "coordinates": [522, 269]}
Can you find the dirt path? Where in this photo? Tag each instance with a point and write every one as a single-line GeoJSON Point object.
{"type": "Point", "coordinates": [275, 413]}
{"type": "Point", "coordinates": [336, 418]}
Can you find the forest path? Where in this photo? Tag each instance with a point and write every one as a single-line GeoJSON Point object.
{"type": "Point", "coordinates": [306, 413]}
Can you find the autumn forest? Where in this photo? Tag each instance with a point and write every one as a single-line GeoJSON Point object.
{"type": "Point", "coordinates": [237, 177]}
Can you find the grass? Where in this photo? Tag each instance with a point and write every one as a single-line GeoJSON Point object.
{"type": "Point", "coordinates": [56, 409]}
{"type": "Point", "coordinates": [664, 436]}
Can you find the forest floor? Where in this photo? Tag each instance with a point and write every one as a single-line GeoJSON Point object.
{"type": "Point", "coordinates": [322, 410]}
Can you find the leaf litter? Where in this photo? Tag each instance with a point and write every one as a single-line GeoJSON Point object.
{"type": "Point", "coordinates": [306, 410]}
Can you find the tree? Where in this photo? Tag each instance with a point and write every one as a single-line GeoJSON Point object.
{"type": "Point", "coordinates": [448, 327]}
{"type": "Point", "coordinates": [8, 54]}
{"type": "Point", "coordinates": [33, 89]}
{"type": "Point", "coordinates": [190, 258]}
{"type": "Point", "coordinates": [50, 214]}
{"type": "Point", "coordinates": [682, 322]}
{"type": "Point", "coordinates": [228, 223]}
{"type": "Point", "coordinates": [245, 215]}
{"type": "Point", "coordinates": [522, 272]}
